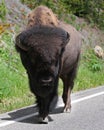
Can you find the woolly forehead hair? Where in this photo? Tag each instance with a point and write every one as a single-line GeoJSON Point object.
{"type": "Point", "coordinates": [38, 35]}
{"type": "Point", "coordinates": [44, 30]}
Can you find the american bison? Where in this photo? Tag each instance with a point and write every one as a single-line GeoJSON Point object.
{"type": "Point", "coordinates": [49, 51]}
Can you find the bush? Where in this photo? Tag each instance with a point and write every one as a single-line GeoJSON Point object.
{"type": "Point", "coordinates": [91, 61]}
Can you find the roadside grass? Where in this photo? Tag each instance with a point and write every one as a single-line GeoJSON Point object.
{"type": "Point", "coordinates": [14, 90]}
{"type": "Point", "coordinates": [85, 79]}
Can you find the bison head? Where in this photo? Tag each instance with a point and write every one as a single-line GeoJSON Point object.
{"type": "Point", "coordinates": [41, 50]}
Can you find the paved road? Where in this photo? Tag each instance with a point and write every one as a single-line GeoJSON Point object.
{"type": "Point", "coordinates": [87, 114]}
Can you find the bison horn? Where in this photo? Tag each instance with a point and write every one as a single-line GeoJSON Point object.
{"type": "Point", "coordinates": [67, 37]}
{"type": "Point", "coordinates": [20, 44]}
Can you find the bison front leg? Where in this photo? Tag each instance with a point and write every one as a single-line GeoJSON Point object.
{"type": "Point", "coordinates": [66, 96]}
{"type": "Point", "coordinates": [43, 105]}
{"type": "Point", "coordinates": [68, 82]}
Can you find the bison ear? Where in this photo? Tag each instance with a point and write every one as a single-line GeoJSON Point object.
{"type": "Point", "coordinates": [20, 43]}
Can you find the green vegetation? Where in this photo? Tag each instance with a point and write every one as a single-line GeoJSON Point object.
{"type": "Point", "coordinates": [91, 71]}
{"type": "Point", "coordinates": [14, 90]}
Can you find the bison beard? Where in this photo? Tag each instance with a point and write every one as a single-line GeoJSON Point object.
{"type": "Point", "coordinates": [41, 49]}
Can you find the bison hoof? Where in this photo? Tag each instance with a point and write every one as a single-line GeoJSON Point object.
{"type": "Point", "coordinates": [43, 121]}
{"type": "Point", "coordinates": [67, 110]}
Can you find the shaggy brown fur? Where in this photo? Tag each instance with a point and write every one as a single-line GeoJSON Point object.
{"type": "Point", "coordinates": [42, 16]}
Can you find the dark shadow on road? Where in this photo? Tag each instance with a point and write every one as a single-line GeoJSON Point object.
{"type": "Point", "coordinates": [17, 114]}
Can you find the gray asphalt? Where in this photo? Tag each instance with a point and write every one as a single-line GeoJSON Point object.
{"type": "Point", "coordinates": [87, 114]}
